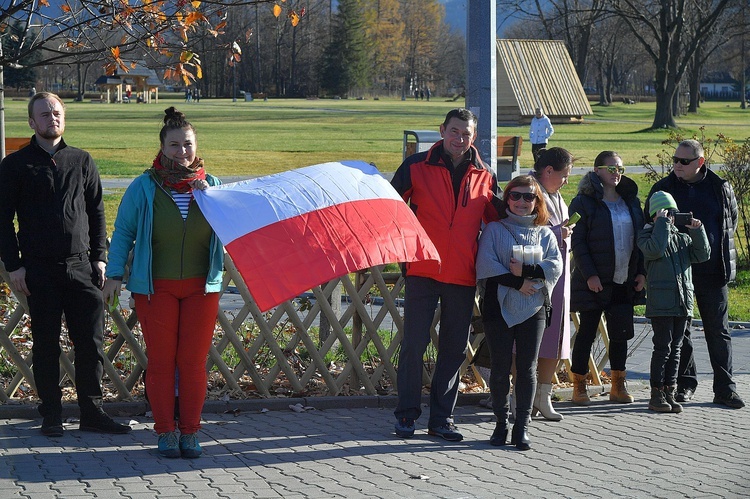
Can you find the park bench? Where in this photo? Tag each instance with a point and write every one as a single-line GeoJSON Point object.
{"type": "Point", "coordinates": [13, 144]}
{"type": "Point", "coordinates": [508, 151]}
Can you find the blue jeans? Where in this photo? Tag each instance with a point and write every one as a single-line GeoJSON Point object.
{"type": "Point", "coordinates": [456, 307]}
{"type": "Point", "coordinates": [665, 359]}
{"type": "Point", "coordinates": [712, 303]}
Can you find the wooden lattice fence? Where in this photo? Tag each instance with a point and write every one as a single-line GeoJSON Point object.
{"type": "Point", "coordinates": [254, 352]}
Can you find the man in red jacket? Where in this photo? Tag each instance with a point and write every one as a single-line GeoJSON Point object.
{"type": "Point", "coordinates": [451, 191]}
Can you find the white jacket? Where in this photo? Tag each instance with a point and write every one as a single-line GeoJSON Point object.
{"type": "Point", "coordinates": [540, 130]}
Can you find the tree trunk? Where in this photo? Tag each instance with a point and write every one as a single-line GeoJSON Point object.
{"type": "Point", "coordinates": [81, 83]}
{"type": "Point", "coordinates": [743, 77]}
{"type": "Point", "coordinates": [664, 117]}
{"type": "Point", "coordinates": [694, 89]}
{"type": "Point", "coordinates": [583, 52]}
{"type": "Point", "coordinates": [696, 68]}
{"type": "Point", "coordinates": [293, 84]}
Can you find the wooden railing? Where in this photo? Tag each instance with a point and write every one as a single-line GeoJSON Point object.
{"type": "Point", "coordinates": [257, 354]}
{"type": "Point", "coordinates": [253, 349]}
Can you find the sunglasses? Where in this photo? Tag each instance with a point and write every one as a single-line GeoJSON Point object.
{"type": "Point", "coordinates": [682, 161]}
{"type": "Point", "coordinates": [614, 169]}
{"type": "Point", "coordinates": [527, 196]}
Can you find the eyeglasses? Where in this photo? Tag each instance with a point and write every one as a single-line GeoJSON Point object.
{"type": "Point", "coordinates": [683, 161]}
{"type": "Point", "coordinates": [527, 196]}
{"type": "Point", "coordinates": [614, 169]}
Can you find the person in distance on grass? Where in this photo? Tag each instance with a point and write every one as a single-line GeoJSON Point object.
{"type": "Point", "coordinates": [540, 131]}
{"type": "Point", "coordinates": [175, 278]}
{"type": "Point", "coordinates": [669, 254]}
{"type": "Point", "coordinates": [57, 260]}
{"type": "Point", "coordinates": [451, 191]}
{"type": "Point", "coordinates": [710, 198]}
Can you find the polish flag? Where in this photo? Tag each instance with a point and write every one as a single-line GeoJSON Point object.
{"type": "Point", "coordinates": [295, 230]}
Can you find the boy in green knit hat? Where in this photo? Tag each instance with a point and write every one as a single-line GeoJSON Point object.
{"type": "Point", "coordinates": [668, 255]}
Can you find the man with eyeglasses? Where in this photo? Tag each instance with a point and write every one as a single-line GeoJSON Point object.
{"type": "Point", "coordinates": [451, 191]}
{"type": "Point", "coordinates": [710, 198]}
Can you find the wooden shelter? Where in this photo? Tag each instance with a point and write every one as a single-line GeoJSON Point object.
{"type": "Point", "coordinates": [141, 79]}
{"type": "Point", "coordinates": [537, 73]}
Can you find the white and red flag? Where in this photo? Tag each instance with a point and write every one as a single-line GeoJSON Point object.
{"type": "Point", "coordinates": [291, 231]}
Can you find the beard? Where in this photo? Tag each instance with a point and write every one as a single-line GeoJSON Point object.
{"type": "Point", "coordinates": [51, 133]}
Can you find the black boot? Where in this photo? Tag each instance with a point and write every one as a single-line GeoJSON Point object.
{"type": "Point", "coordinates": [93, 418]}
{"type": "Point", "coordinates": [520, 436]}
{"type": "Point", "coordinates": [500, 435]}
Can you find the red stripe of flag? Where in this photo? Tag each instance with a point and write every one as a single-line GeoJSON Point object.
{"type": "Point", "coordinates": [288, 257]}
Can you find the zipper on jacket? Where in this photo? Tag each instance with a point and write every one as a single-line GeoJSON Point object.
{"type": "Point", "coordinates": [467, 188]}
{"type": "Point", "coordinates": [182, 245]}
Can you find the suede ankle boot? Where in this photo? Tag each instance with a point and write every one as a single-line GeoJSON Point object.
{"type": "Point", "coordinates": [580, 395]}
{"type": "Point", "coordinates": [658, 402]}
{"type": "Point", "coordinates": [669, 392]}
{"type": "Point", "coordinates": [619, 392]}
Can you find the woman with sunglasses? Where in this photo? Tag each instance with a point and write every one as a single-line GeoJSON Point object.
{"type": "Point", "coordinates": [516, 298]}
{"type": "Point", "coordinates": [608, 269]}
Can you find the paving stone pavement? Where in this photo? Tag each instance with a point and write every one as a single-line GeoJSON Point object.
{"type": "Point", "coordinates": [344, 449]}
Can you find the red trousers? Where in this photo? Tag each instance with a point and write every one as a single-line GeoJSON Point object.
{"type": "Point", "coordinates": [178, 323]}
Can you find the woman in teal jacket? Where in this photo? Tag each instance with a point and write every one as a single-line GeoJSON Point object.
{"type": "Point", "coordinates": [175, 279]}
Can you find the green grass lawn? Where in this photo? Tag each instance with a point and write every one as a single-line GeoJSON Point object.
{"type": "Point", "coordinates": [257, 138]}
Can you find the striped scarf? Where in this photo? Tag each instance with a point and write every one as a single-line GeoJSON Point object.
{"type": "Point", "coordinates": [175, 176]}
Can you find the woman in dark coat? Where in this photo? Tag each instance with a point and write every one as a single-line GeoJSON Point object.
{"type": "Point", "coordinates": [608, 269]}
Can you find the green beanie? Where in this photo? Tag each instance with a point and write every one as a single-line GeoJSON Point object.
{"type": "Point", "coordinates": [661, 200]}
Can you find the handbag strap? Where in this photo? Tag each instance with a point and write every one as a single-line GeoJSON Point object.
{"type": "Point", "coordinates": [537, 233]}
{"type": "Point", "coordinates": [547, 300]}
